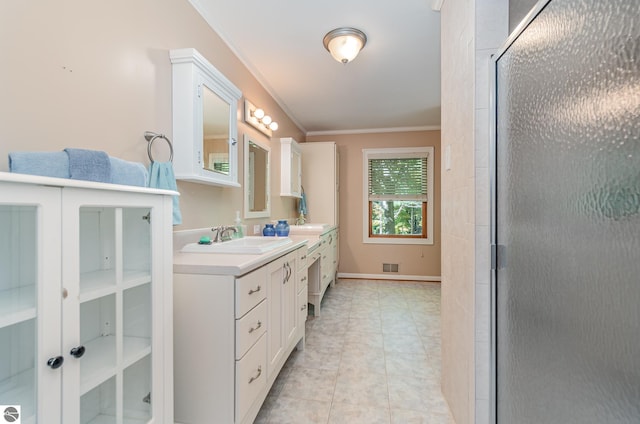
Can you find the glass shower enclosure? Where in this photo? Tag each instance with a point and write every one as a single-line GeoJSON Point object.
{"type": "Point", "coordinates": [566, 218]}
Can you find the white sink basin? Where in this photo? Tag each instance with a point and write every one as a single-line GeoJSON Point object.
{"type": "Point", "coordinates": [242, 246]}
{"type": "Point", "coordinates": [308, 228]}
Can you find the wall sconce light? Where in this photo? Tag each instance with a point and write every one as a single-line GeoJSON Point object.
{"type": "Point", "coordinates": [258, 119]}
{"type": "Point", "coordinates": [344, 44]}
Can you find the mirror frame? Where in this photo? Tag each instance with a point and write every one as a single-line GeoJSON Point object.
{"type": "Point", "coordinates": [266, 213]}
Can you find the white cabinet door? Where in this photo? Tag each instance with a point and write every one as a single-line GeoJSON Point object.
{"type": "Point", "coordinates": [289, 299]}
{"type": "Point", "coordinates": [275, 346]}
{"type": "Point", "coordinates": [290, 168]}
{"type": "Point", "coordinates": [320, 179]}
{"type": "Point", "coordinates": [30, 302]}
{"type": "Point", "coordinates": [112, 319]}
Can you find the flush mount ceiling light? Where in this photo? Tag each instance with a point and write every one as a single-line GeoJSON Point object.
{"type": "Point", "coordinates": [344, 44]}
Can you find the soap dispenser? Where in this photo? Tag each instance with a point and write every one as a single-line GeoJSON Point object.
{"type": "Point", "coordinates": [239, 226]}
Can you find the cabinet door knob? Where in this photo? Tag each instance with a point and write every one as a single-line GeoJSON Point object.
{"type": "Point", "coordinates": [55, 362]}
{"type": "Point", "coordinates": [77, 352]}
{"type": "Point", "coordinates": [303, 307]}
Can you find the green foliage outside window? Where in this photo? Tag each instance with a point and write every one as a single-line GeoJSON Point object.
{"type": "Point", "coordinates": [396, 217]}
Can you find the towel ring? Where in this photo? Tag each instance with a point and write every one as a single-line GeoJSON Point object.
{"type": "Point", "coordinates": [151, 137]}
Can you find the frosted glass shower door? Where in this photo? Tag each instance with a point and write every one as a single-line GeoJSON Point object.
{"type": "Point", "coordinates": [567, 216]}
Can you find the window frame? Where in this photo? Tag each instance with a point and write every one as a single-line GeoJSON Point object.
{"type": "Point", "coordinates": [398, 153]}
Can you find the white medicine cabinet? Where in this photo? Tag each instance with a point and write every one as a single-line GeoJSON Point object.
{"type": "Point", "coordinates": [290, 168]}
{"type": "Point", "coordinates": [85, 295]}
{"type": "Point", "coordinates": [205, 127]}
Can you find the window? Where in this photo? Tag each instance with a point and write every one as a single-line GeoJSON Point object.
{"type": "Point", "coordinates": [398, 195]}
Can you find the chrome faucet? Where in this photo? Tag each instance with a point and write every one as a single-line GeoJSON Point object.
{"type": "Point", "coordinates": [222, 233]}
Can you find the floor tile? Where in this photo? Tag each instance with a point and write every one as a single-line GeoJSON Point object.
{"type": "Point", "coordinates": [317, 356]}
{"type": "Point", "coordinates": [361, 388]}
{"type": "Point", "coordinates": [296, 411]}
{"type": "Point", "coordinates": [359, 359]}
{"type": "Point", "coordinates": [403, 343]}
{"type": "Point", "coordinates": [310, 383]}
{"type": "Point", "coordinates": [373, 356]}
{"type": "Point", "coordinates": [414, 393]}
{"type": "Point", "coordinates": [342, 413]}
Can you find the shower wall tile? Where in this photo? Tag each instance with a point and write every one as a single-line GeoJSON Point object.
{"type": "Point", "coordinates": [492, 23]}
{"type": "Point", "coordinates": [482, 198]}
{"type": "Point", "coordinates": [482, 137]}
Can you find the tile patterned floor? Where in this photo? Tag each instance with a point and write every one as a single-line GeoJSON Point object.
{"type": "Point", "coordinates": [373, 356]}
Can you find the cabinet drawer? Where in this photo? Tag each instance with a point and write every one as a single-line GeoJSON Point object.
{"type": "Point", "coordinates": [250, 290]}
{"type": "Point", "coordinates": [302, 280]}
{"type": "Point", "coordinates": [302, 258]}
{"type": "Point", "coordinates": [302, 308]}
{"type": "Point", "coordinates": [250, 327]}
{"type": "Point", "coordinates": [251, 377]}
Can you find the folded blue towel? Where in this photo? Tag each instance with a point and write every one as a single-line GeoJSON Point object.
{"type": "Point", "coordinates": [161, 176]}
{"type": "Point", "coordinates": [57, 164]}
{"type": "Point", "coordinates": [89, 165]}
{"type": "Point", "coordinates": [128, 173]}
{"type": "Point", "coordinates": [46, 164]}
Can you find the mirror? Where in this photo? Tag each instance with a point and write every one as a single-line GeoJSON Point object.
{"type": "Point", "coordinates": [256, 178]}
{"type": "Point", "coordinates": [215, 131]}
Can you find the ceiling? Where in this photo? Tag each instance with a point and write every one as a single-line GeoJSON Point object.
{"type": "Point", "coordinates": [394, 83]}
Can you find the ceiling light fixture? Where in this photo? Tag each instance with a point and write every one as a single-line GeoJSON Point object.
{"type": "Point", "coordinates": [345, 43]}
{"type": "Point", "coordinates": [258, 119]}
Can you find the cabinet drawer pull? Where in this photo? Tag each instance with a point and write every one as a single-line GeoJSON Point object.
{"type": "Point", "coordinates": [303, 307]}
{"type": "Point", "coordinates": [304, 257]}
{"type": "Point", "coordinates": [252, 379]}
{"type": "Point", "coordinates": [256, 290]}
{"type": "Point", "coordinates": [303, 279]}
{"type": "Point", "coordinates": [55, 362]}
{"type": "Point", "coordinates": [252, 329]}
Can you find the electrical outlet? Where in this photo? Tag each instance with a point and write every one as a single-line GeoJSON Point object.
{"type": "Point", "coordinates": [256, 229]}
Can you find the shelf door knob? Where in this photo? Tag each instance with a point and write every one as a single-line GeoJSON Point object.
{"type": "Point", "coordinates": [55, 362]}
{"type": "Point", "coordinates": [77, 352]}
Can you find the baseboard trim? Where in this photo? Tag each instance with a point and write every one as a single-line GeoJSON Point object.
{"type": "Point", "coordinates": [389, 277]}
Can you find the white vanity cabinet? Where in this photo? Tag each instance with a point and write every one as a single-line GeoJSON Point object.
{"type": "Point", "coordinates": [85, 285]}
{"type": "Point", "coordinates": [323, 267]}
{"type": "Point", "coordinates": [290, 168]}
{"type": "Point", "coordinates": [233, 333]}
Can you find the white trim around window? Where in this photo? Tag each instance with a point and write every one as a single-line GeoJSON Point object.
{"type": "Point", "coordinates": [397, 153]}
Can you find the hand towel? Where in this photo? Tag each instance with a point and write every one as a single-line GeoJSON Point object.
{"type": "Point", "coordinates": [302, 205]}
{"type": "Point", "coordinates": [161, 176]}
{"type": "Point", "coordinates": [89, 165]}
{"type": "Point", "coordinates": [128, 173]}
{"type": "Point", "coordinates": [46, 164]}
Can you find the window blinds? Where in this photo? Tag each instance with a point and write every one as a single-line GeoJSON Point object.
{"type": "Point", "coordinates": [398, 178]}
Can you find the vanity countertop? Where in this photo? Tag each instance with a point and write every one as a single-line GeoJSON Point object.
{"type": "Point", "coordinates": [228, 264]}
